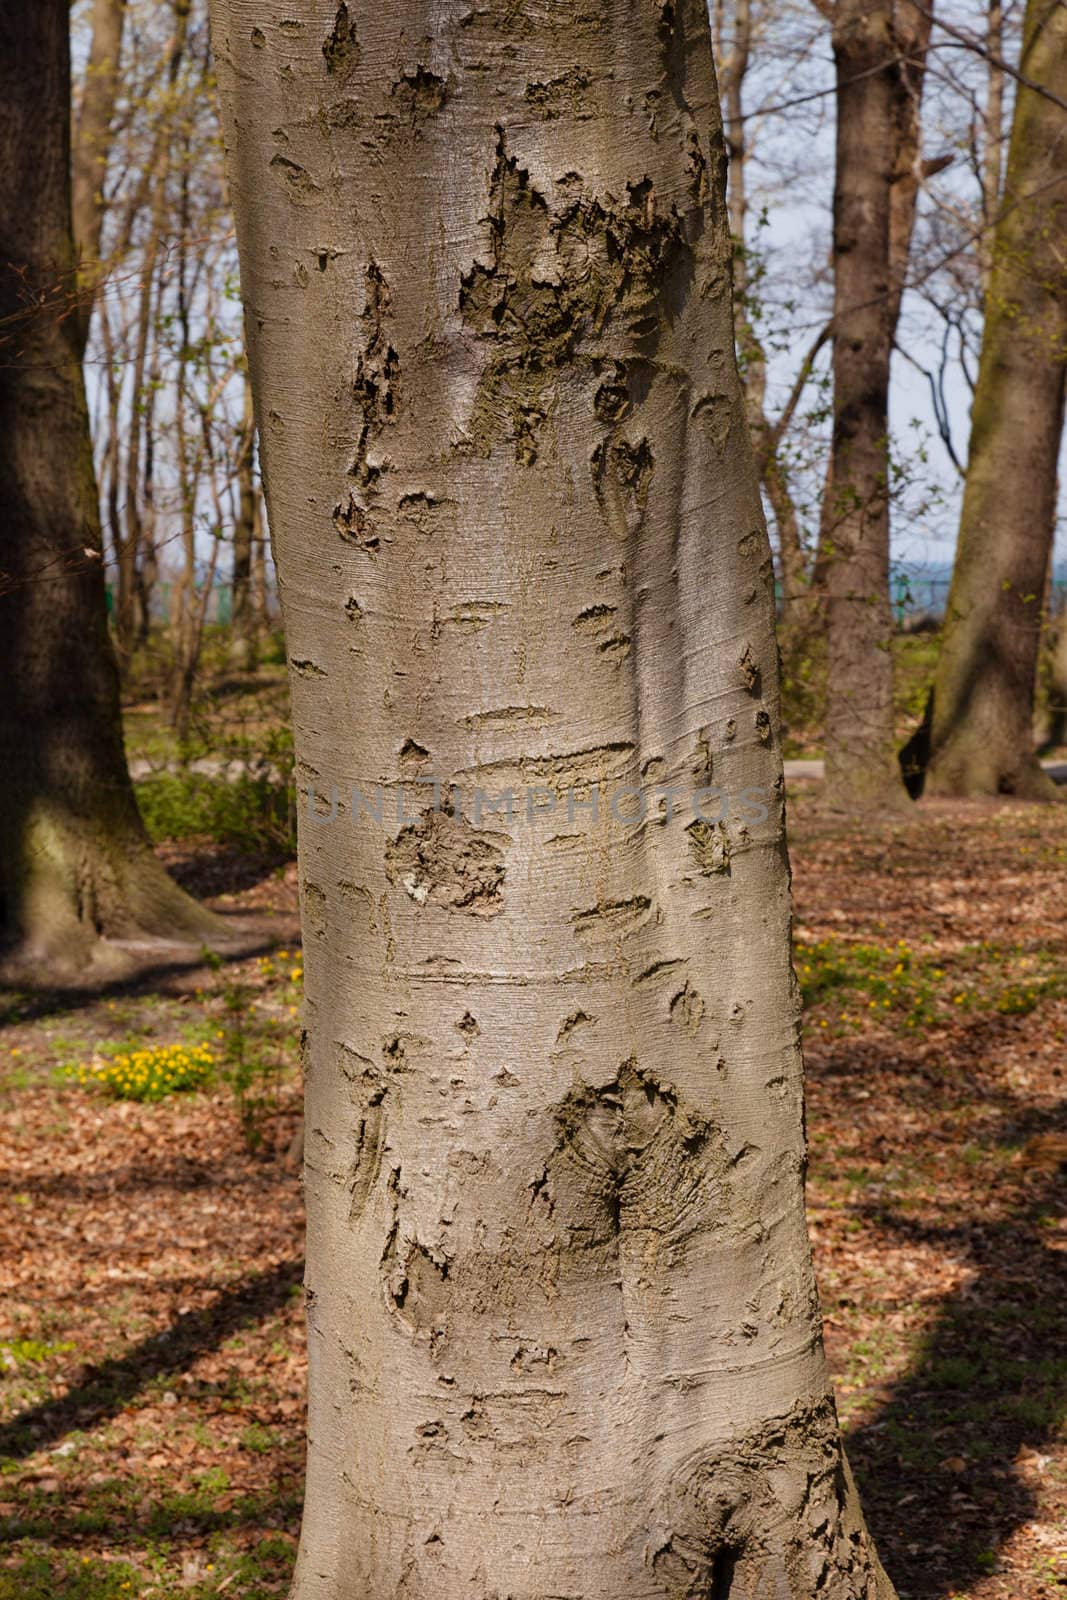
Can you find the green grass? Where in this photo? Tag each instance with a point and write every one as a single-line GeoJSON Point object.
{"type": "Point", "coordinates": [899, 986]}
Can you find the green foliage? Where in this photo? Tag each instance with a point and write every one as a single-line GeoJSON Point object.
{"type": "Point", "coordinates": [272, 649]}
{"type": "Point", "coordinates": [870, 977]}
{"type": "Point", "coordinates": [150, 1074]}
{"type": "Point", "coordinates": [38, 1576]}
{"type": "Point", "coordinates": [904, 987]}
{"type": "Point", "coordinates": [252, 1063]}
{"type": "Point", "coordinates": [260, 1440]}
{"type": "Point", "coordinates": [22, 1351]}
{"type": "Point", "coordinates": [253, 812]}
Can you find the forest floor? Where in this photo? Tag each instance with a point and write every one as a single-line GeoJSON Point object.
{"type": "Point", "coordinates": [151, 1325]}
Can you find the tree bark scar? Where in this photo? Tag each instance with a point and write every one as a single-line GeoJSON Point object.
{"type": "Point", "coordinates": [442, 861]}
{"type": "Point", "coordinates": [366, 1164]}
{"type": "Point", "coordinates": [724, 1528]}
{"type": "Point", "coordinates": [630, 1155]}
{"type": "Point", "coordinates": [340, 48]}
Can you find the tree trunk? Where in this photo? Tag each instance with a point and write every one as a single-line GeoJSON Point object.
{"type": "Point", "coordinates": [792, 560]}
{"type": "Point", "coordinates": [911, 37]}
{"type": "Point", "coordinates": [74, 860]}
{"type": "Point", "coordinates": [92, 143]}
{"type": "Point", "coordinates": [878, 85]}
{"type": "Point", "coordinates": [992, 135]}
{"type": "Point", "coordinates": [1054, 735]}
{"type": "Point", "coordinates": [261, 612]}
{"type": "Point", "coordinates": [854, 542]}
{"type": "Point", "coordinates": [563, 1324]}
{"type": "Point", "coordinates": [982, 721]}
{"type": "Point", "coordinates": [242, 619]}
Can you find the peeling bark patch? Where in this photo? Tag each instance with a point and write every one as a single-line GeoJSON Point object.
{"type": "Point", "coordinates": [622, 476]}
{"type": "Point", "coordinates": [716, 411]}
{"type": "Point", "coordinates": [763, 727]}
{"type": "Point", "coordinates": [612, 400]}
{"type": "Point", "coordinates": [418, 508]}
{"type": "Point", "coordinates": [687, 1010]}
{"type": "Point", "coordinates": [340, 48]}
{"type": "Point", "coordinates": [613, 919]}
{"type": "Point", "coordinates": [709, 845]}
{"type": "Point", "coordinates": [748, 671]}
{"type": "Point", "coordinates": [615, 649]}
{"type": "Point", "coordinates": [471, 616]}
{"type": "Point", "coordinates": [420, 93]}
{"type": "Point", "coordinates": [659, 969]}
{"type": "Point", "coordinates": [412, 754]}
{"type": "Point", "coordinates": [503, 717]}
{"type": "Point", "coordinates": [529, 1357]}
{"type": "Point", "coordinates": [354, 525]}
{"type": "Point", "coordinates": [594, 619]}
{"type": "Point", "coordinates": [554, 97]}
{"type": "Point", "coordinates": [577, 1019]}
{"type": "Point", "coordinates": [575, 769]}
{"type": "Point", "coordinates": [295, 181]}
{"type": "Point", "coordinates": [367, 1161]}
{"type": "Point", "coordinates": [314, 908]}
{"type": "Point", "coordinates": [443, 861]}
{"type": "Point", "coordinates": [560, 274]}
{"type": "Point", "coordinates": [702, 761]}
{"type": "Point", "coordinates": [696, 167]}
{"type": "Point", "coordinates": [414, 1282]}
{"type": "Point", "coordinates": [396, 1051]}
{"type": "Point", "coordinates": [376, 386]}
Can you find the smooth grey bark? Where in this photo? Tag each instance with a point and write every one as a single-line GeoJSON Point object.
{"type": "Point", "coordinates": [243, 618]}
{"type": "Point", "coordinates": [564, 1334]}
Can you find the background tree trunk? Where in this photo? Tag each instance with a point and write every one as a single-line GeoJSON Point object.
{"type": "Point", "coordinates": [992, 135]}
{"type": "Point", "coordinates": [853, 563]}
{"type": "Point", "coordinates": [734, 57]}
{"type": "Point", "coordinates": [563, 1326]}
{"type": "Point", "coordinates": [982, 739]}
{"type": "Point", "coordinates": [74, 860]}
{"type": "Point", "coordinates": [92, 144]}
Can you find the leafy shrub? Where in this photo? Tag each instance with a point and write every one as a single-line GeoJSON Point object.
{"type": "Point", "coordinates": [151, 1074]}
{"type": "Point", "coordinates": [252, 812]}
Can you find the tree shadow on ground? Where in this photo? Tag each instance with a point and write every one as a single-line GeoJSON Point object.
{"type": "Point", "coordinates": [205, 868]}
{"type": "Point", "coordinates": [153, 969]}
{"type": "Point", "coordinates": [106, 1387]}
{"type": "Point", "coordinates": [947, 1469]}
